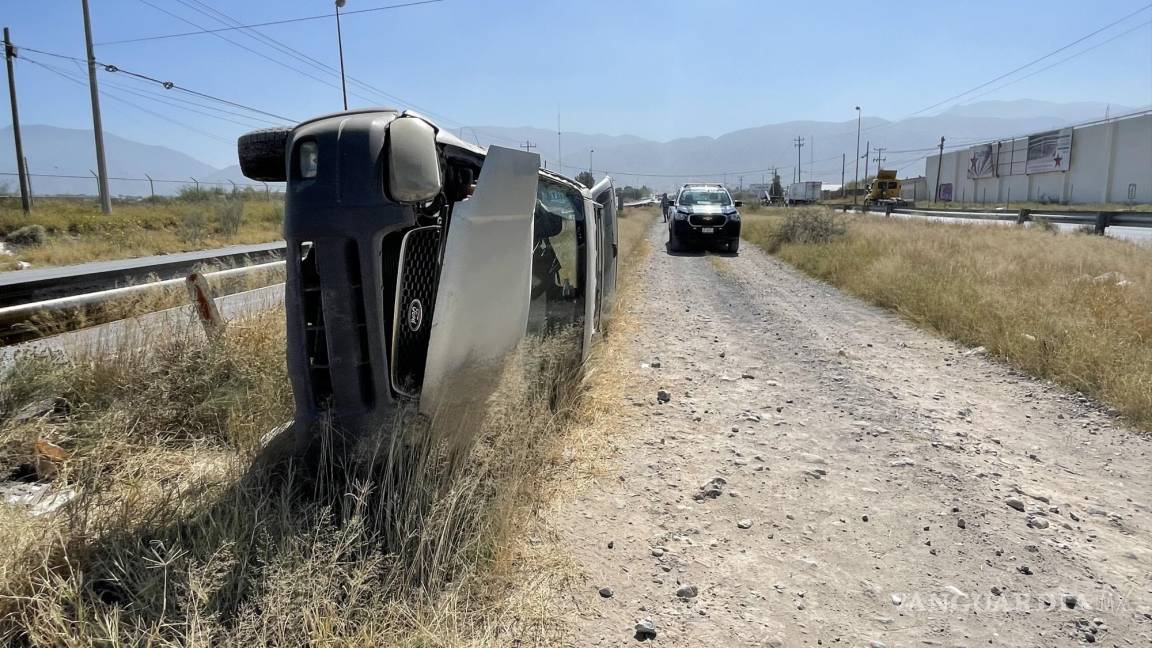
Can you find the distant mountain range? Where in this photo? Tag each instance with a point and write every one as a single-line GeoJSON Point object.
{"type": "Point", "coordinates": [746, 155]}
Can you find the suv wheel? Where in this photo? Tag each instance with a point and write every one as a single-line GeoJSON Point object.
{"type": "Point", "coordinates": [734, 246]}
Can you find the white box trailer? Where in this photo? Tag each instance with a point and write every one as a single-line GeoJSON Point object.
{"type": "Point", "coordinates": [803, 193]}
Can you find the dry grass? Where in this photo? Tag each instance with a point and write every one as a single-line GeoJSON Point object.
{"type": "Point", "coordinates": [77, 232]}
{"type": "Point", "coordinates": [1073, 308]}
{"type": "Point", "coordinates": [171, 541]}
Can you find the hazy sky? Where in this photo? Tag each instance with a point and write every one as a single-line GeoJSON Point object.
{"type": "Point", "coordinates": [655, 68]}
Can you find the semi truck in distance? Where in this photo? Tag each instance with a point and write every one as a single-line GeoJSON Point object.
{"type": "Point", "coordinates": [802, 193]}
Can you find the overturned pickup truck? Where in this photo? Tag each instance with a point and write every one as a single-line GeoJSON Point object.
{"type": "Point", "coordinates": [416, 262]}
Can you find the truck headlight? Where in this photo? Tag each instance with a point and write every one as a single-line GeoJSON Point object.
{"type": "Point", "coordinates": [680, 215]}
{"type": "Point", "coordinates": [309, 159]}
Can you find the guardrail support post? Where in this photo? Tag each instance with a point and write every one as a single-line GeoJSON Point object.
{"type": "Point", "coordinates": [1023, 216]}
{"type": "Point", "coordinates": [1103, 220]}
{"type": "Point", "coordinates": [201, 295]}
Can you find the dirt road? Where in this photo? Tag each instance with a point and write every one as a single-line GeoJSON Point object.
{"type": "Point", "coordinates": [900, 490]}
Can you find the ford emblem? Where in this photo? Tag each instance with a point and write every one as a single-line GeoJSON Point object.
{"type": "Point", "coordinates": [415, 315]}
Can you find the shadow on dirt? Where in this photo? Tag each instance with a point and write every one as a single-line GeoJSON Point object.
{"type": "Point", "coordinates": [698, 252]}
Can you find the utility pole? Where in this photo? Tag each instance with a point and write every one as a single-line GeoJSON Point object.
{"type": "Point", "coordinates": [843, 167]}
{"type": "Point", "coordinates": [97, 123]}
{"type": "Point", "coordinates": [799, 144]}
{"type": "Point", "coordinates": [21, 167]}
{"type": "Point", "coordinates": [939, 164]}
{"type": "Point", "coordinates": [867, 154]}
{"type": "Point", "coordinates": [741, 183]}
{"type": "Point", "coordinates": [559, 147]}
{"type": "Point", "coordinates": [31, 194]}
{"type": "Point", "coordinates": [528, 146]}
{"type": "Point", "coordinates": [856, 182]}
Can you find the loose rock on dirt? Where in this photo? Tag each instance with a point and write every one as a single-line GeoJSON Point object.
{"type": "Point", "coordinates": [909, 428]}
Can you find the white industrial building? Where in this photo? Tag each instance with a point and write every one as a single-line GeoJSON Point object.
{"type": "Point", "coordinates": [1109, 161]}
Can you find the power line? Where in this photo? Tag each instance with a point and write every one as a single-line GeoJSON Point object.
{"type": "Point", "coordinates": [114, 97]}
{"type": "Point", "coordinates": [288, 50]}
{"type": "Point", "coordinates": [1064, 60]}
{"type": "Point", "coordinates": [1034, 61]}
{"type": "Point", "coordinates": [220, 16]}
{"type": "Point", "coordinates": [245, 47]}
{"type": "Point", "coordinates": [1020, 68]}
{"type": "Point", "coordinates": [167, 85]}
{"type": "Point", "coordinates": [268, 24]}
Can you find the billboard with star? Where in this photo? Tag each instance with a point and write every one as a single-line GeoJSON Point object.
{"type": "Point", "coordinates": [981, 162]}
{"type": "Point", "coordinates": [1049, 151]}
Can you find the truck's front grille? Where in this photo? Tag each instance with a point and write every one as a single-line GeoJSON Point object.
{"type": "Point", "coordinates": [416, 281]}
{"type": "Point", "coordinates": [707, 220]}
{"type": "Point", "coordinates": [315, 335]}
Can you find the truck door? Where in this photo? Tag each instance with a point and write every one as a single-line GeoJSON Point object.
{"type": "Point", "coordinates": [591, 272]}
{"type": "Point", "coordinates": [482, 304]}
{"type": "Point", "coordinates": [605, 194]}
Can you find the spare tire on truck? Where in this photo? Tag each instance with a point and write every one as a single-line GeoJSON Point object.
{"type": "Point", "coordinates": [262, 154]}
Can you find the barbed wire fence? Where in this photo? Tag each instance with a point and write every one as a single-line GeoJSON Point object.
{"type": "Point", "coordinates": [134, 188]}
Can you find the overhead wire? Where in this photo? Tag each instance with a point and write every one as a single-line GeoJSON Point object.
{"type": "Point", "coordinates": [270, 23]}
{"type": "Point", "coordinates": [1064, 60]}
{"type": "Point", "coordinates": [117, 98]}
{"type": "Point", "coordinates": [304, 58]}
{"type": "Point", "coordinates": [167, 85]}
{"type": "Point", "coordinates": [220, 16]}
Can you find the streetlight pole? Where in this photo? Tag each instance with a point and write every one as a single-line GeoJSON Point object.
{"type": "Point", "coordinates": [340, 45]}
{"type": "Point", "coordinates": [856, 182]}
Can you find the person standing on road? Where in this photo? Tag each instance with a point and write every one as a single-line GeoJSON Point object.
{"type": "Point", "coordinates": [664, 204]}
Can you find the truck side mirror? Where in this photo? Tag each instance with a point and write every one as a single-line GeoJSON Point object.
{"type": "Point", "coordinates": [414, 174]}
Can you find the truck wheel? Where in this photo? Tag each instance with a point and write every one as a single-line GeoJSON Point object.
{"type": "Point", "coordinates": [674, 244]}
{"type": "Point", "coordinates": [734, 246]}
{"type": "Point", "coordinates": [262, 154]}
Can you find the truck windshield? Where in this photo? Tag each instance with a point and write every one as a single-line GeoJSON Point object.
{"type": "Point", "coordinates": [705, 198]}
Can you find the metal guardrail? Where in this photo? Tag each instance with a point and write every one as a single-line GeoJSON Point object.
{"type": "Point", "coordinates": [18, 321]}
{"type": "Point", "coordinates": [1100, 220]}
{"type": "Point", "coordinates": [25, 286]}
